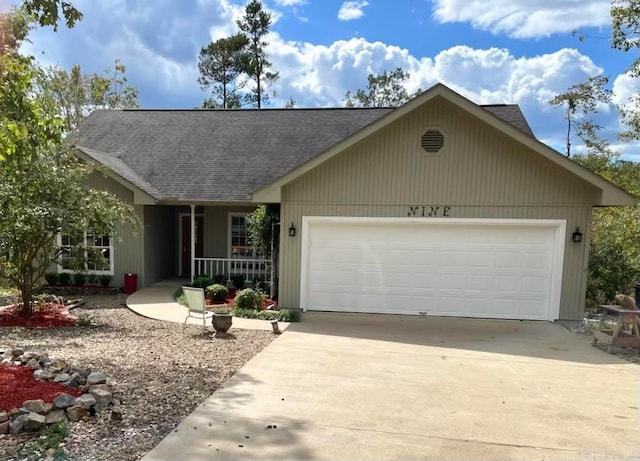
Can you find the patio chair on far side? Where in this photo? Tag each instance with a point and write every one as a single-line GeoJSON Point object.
{"type": "Point", "coordinates": [195, 304]}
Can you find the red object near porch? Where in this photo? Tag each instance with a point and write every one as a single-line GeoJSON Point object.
{"type": "Point", "coordinates": [130, 283]}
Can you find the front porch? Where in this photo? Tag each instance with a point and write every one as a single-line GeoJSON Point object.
{"type": "Point", "coordinates": [187, 241]}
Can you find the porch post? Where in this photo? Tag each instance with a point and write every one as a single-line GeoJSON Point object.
{"type": "Point", "coordinates": [193, 241]}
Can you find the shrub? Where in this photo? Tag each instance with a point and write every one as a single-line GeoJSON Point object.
{"type": "Point", "coordinates": [202, 281]}
{"type": "Point", "coordinates": [92, 278]}
{"type": "Point", "coordinates": [79, 279]}
{"type": "Point", "coordinates": [249, 299]}
{"type": "Point", "coordinates": [105, 280]}
{"type": "Point", "coordinates": [217, 292]}
{"type": "Point", "coordinates": [220, 279]}
{"type": "Point", "coordinates": [283, 315]}
{"type": "Point", "coordinates": [64, 278]}
{"type": "Point", "coordinates": [51, 278]}
{"type": "Point", "coordinates": [180, 297]}
{"type": "Point", "coordinates": [610, 271]}
{"type": "Point", "coordinates": [237, 280]}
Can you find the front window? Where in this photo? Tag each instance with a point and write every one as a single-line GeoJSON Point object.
{"type": "Point", "coordinates": [86, 252]}
{"type": "Point", "coordinates": [239, 247]}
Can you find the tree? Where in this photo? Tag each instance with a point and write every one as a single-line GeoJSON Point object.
{"type": "Point", "coordinates": [75, 95]}
{"type": "Point", "coordinates": [384, 90]}
{"type": "Point", "coordinates": [625, 25]}
{"type": "Point", "coordinates": [42, 188]}
{"type": "Point", "coordinates": [255, 26]}
{"type": "Point", "coordinates": [614, 260]}
{"type": "Point", "coordinates": [220, 65]}
{"type": "Point", "coordinates": [580, 101]}
{"type": "Point", "coordinates": [262, 228]}
{"type": "Point", "coordinates": [48, 12]}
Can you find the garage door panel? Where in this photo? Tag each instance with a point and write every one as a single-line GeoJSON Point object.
{"type": "Point", "coordinates": [492, 270]}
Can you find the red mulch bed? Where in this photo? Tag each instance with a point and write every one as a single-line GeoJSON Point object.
{"type": "Point", "coordinates": [50, 315]}
{"type": "Point", "coordinates": [230, 302]}
{"type": "Point", "coordinates": [17, 384]}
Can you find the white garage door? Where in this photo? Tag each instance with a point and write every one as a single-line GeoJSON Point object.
{"type": "Point", "coordinates": [508, 269]}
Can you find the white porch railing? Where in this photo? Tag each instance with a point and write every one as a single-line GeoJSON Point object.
{"type": "Point", "coordinates": [251, 269]}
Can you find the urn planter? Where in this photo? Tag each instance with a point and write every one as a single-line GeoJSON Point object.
{"type": "Point", "coordinates": [221, 323]}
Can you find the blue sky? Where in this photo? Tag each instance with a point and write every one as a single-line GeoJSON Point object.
{"type": "Point", "coordinates": [499, 51]}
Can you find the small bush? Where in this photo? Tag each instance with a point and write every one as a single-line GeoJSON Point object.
{"type": "Point", "coordinates": [51, 278]}
{"type": "Point", "coordinates": [283, 315]}
{"type": "Point", "coordinates": [92, 278]}
{"type": "Point", "coordinates": [50, 439]}
{"type": "Point", "coordinates": [220, 279]}
{"type": "Point", "coordinates": [249, 299]}
{"type": "Point", "coordinates": [79, 279]}
{"type": "Point", "coordinates": [217, 292]}
{"type": "Point", "coordinates": [180, 297]}
{"type": "Point", "coordinates": [237, 280]}
{"type": "Point", "coordinates": [105, 280]}
{"type": "Point", "coordinates": [64, 278]}
{"type": "Point", "coordinates": [202, 281]}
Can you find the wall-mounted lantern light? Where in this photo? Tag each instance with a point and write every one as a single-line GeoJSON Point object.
{"type": "Point", "coordinates": [577, 235]}
{"type": "Point", "coordinates": [292, 231]}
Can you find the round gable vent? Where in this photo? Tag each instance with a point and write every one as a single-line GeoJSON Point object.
{"type": "Point", "coordinates": [432, 141]}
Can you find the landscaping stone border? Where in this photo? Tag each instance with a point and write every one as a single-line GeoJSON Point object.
{"type": "Point", "coordinates": [98, 393]}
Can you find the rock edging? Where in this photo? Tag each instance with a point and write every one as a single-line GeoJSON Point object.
{"type": "Point", "coordinates": [98, 393]}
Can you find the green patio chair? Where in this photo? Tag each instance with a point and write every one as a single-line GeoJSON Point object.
{"type": "Point", "coordinates": [195, 304]}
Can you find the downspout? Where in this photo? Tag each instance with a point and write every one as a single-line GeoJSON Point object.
{"type": "Point", "coordinates": [193, 241]}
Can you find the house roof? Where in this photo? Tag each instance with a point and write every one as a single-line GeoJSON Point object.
{"type": "Point", "coordinates": [494, 116]}
{"type": "Point", "coordinates": [216, 155]}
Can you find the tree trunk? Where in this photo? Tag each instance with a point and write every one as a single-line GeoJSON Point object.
{"type": "Point", "coordinates": [259, 91]}
{"type": "Point", "coordinates": [26, 294]}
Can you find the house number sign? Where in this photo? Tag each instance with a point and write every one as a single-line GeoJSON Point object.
{"type": "Point", "coordinates": [429, 211]}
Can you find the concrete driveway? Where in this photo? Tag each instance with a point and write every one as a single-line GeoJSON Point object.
{"type": "Point", "coordinates": [340, 386]}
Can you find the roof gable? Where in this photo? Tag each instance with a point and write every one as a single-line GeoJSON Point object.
{"type": "Point", "coordinates": [612, 195]}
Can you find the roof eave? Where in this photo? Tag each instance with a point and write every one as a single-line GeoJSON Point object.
{"type": "Point", "coordinates": [140, 197]}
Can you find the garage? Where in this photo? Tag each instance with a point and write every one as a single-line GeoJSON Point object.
{"type": "Point", "coordinates": [487, 268]}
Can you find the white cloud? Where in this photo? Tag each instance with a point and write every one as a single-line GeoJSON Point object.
{"type": "Point", "coordinates": [524, 18]}
{"type": "Point", "coordinates": [290, 2]}
{"type": "Point", "coordinates": [352, 10]}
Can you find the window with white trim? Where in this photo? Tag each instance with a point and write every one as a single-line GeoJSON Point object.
{"type": "Point", "coordinates": [86, 252]}
{"type": "Point", "coordinates": [239, 247]}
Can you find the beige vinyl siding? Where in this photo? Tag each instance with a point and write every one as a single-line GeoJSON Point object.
{"type": "Point", "coordinates": [216, 229]}
{"type": "Point", "coordinates": [159, 238]}
{"type": "Point", "coordinates": [480, 173]}
{"type": "Point", "coordinates": [128, 243]}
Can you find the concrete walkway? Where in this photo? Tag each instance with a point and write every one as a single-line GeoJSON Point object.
{"type": "Point", "coordinates": [157, 302]}
{"type": "Point", "coordinates": [339, 386]}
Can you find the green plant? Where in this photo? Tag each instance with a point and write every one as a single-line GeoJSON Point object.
{"type": "Point", "coordinates": [220, 279]}
{"type": "Point", "coordinates": [283, 315]}
{"type": "Point", "coordinates": [84, 320]}
{"type": "Point", "coordinates": [217, 292]}
{"type": "Point", "coordinates": [249, 299]}
{"type": "Point", "coordinates": [79, 278]}
{"type": "Point", "coordinates": [202, 281]}
{"type": "Point", "coordinates": [610, 272]}
{"type": "Point", "coordinates": [180, 297]}
{"type": "Point", "coordinates": [92, 278]}
{"type": "Point", "coordinates": [49, 439]}
{"type": "Point", "coordinates": [64, 278]}
{"type": "Point", "coordinates": [51, 278]}
{"type": "Point", "coordinates": [105, 280]}
{"type": "Point", "coordinates": [237, 280]}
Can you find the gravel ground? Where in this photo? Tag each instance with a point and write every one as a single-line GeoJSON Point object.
{"type": "Point", "coordinates": [162, 371]}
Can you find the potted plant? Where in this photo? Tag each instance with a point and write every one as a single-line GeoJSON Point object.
{"type": "Point", "coordinates": [222, 321]}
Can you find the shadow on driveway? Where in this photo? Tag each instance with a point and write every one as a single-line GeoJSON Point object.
{"type": "Point", "coordinates": [536, 339]}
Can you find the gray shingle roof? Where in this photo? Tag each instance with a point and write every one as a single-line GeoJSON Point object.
{"type": "Point", "coordinates": [510, 113]}
{"type": "Point", "coordinates": [208, 155]}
